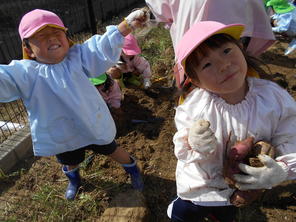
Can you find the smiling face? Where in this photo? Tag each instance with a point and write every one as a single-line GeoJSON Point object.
{"type": "Point", "coordinates": [222, 70]}
{"type": "Point", "coordinates": [49, 45]}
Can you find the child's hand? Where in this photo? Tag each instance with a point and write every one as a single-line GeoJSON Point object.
{"type": "Point", "coordinates": [114, 72]}
{"type": "Point", "coordinates": [137, 18]}
{"type": "Point", "coordinates": [146, 83]}
{"type": "Point", "coordinates": [136, 73]}
{"type": "Point", "coordinates": [201, 138]}
{"type": "Point", "coordinates": [271, 174]}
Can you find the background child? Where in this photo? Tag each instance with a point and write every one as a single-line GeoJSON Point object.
{"type": "Point", "coordinates": [66, 113]}
{"type": "Point", "coordinates": [109, 89]}
{"type": "Point", "coordinates": [283, 17]}
{"type": "Point", "coordinates": [181, 15]}
{"type": "Point", "coordinates": [111, 93]}
{"type": "Point", "coordinates": [134, 63]}
{"type": "Point", "coordinates": [116, 74]}
{"type": "Point", "coordinates": [232, 104]}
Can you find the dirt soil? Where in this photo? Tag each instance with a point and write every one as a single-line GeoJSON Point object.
{"type": "Point", "coordinates": [150, 141]}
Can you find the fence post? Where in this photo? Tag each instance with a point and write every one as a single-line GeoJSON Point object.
{"type": "Point", "coordinates": [92, 18]}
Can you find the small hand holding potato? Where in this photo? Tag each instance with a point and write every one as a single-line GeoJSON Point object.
{"type": "Point", "coordinates": [201, 138]}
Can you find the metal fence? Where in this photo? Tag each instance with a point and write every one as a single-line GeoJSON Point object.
{"type": "Point", "coordinates": [13, 116]}
{"type": "Point", "coordinates": [77, 15]}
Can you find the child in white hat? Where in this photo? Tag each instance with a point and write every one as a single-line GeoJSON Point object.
{"type": "Point", "coordinates": [225, 101]}
{"type": "Point", "coordinates": [67, 115]}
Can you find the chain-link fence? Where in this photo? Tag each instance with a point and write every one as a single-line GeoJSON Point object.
{"type": "Point", "coordinates": [13, 116]}
{"type": "Point", "coordinates": [77, 15]}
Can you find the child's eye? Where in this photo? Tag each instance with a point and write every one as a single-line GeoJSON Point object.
{"type": "Point", "coordinates": [206, 65]}
{"type": "Point", "coordinates": [40, 36]}
{"type": "Point", "coordinates": [227, 50]}
{"type": "Point", "coordinates": [57, 33]}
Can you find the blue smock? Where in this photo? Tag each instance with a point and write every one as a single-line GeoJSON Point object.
{"type": "Point", "coordinates": [65, 110]}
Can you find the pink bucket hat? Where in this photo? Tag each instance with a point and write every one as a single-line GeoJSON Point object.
{"type": "Point", "coordinates": [36, 20]}
{"type": "Point", "coordinates": [196, 35]}
{"type": "Point", "coordinates": [130, 46]}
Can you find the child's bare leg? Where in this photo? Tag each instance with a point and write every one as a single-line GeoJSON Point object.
{"type": "Point", "coordinates": [130, 166]}
{"type": "Point", "coordinates": [121, 156]}
{"type": "Point", "coordinates": [71, 167]}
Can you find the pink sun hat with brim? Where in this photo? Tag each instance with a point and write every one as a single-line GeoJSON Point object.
{"type": "Point", "coordinates": [130, 45]}
{"type": "Point", "coordinates": [36, 20]}
{"type": "Point", "coordinates": [196, 35]}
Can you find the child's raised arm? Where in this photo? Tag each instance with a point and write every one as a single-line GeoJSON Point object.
{"type": "Point", "coordinates": [101, 52]}
{"type": "Point", "coordinates": [135, 19]}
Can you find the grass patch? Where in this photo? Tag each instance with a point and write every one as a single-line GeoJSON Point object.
{"type": "Point", "coordinates": [157, 49]}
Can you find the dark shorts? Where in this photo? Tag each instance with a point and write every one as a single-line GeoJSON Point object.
{"type": "Point", "coordinates": [186, 211]}
{"type": "Point", "coordinates": [77, 156]}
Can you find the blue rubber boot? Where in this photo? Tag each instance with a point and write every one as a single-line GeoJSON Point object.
{"type": "Point", "coordinates": [74, 182]}
{"type": "Point", "coordinates": [136, 178]}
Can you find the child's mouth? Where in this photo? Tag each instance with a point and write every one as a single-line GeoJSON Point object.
{"type": "Point", "coordinates": [228, 77]}
{"type": "Point", "coordinates": [54, 47]}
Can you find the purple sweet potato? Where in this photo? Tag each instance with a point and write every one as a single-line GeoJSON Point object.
{"type": "Point", "coordinates": [244, 152]}
{"type": "Point", "coordinates": [235, 155]}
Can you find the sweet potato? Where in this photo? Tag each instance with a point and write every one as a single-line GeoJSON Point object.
{"type": "Point", "coordinates": [244, 152]}
{"type": "Point", "coordinates": [235, 155]}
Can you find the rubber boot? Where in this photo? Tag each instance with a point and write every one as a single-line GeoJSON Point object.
{"type": "Point", "coordinates": [135, 174]}
{"type": "Point", "coordinates": [74, 182]}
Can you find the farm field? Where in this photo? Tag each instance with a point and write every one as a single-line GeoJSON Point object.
{"type": "Point", "coordinates": [34, 190]}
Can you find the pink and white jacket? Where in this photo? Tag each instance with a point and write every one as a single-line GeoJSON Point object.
{"type": "Point", "coordinates": [137, 63]}
{"type": "Point", "coordinates": [113, 96]}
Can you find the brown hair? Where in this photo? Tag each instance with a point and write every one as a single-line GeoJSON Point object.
{"type": "Point", "coordinates": [26, 43]}
{"type": "Point", "coordinates": [108, 83]}
{"type": "Point", "coordinates": [213, 42]}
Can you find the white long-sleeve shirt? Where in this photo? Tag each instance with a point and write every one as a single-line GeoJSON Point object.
{"type": "Point", "coordinates": [267, 113]}
{"type": "Point", "coordinates": [137, 63]}
{"type": "Point", "coordinates": [66, 111]}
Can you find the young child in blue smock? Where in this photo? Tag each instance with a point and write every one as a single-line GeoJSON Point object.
{"type": "Point", "coordinates": [67, 115]}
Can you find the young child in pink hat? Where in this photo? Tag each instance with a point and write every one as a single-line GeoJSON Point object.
{"type": "Point", "coordinates": [225, 106]}
{"type": "Point", "coordinates": [134, 63]}
{"type": "Point", "coordinates": [67, 115]}
{"type": "Point", "coordinates": [180, 15]}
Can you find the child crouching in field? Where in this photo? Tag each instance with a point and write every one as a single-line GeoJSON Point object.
{"type": "Point", "coordinates": [67, 115]}
{"type": "Point", "coordinates": [134, 67]}
{"type": "Point", "coordinates": [111, 93]}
